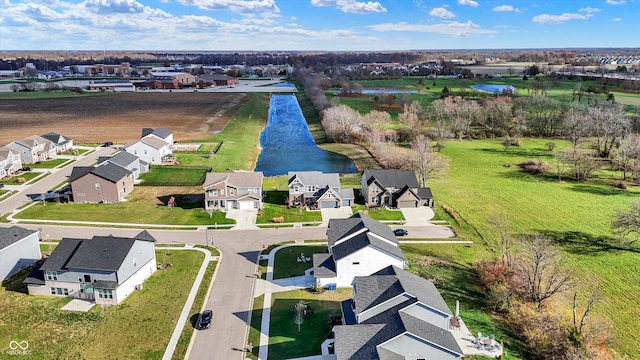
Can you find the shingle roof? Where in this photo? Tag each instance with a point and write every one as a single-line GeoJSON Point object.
{"type": "Point", "coordinates": [323, 265]}
{"type": "Point", "coordinates": [145, 236]}
{"type": "Point", "coordinates": [315, 178]}
{"type": "Point", "coordinates": [57, 261]}
{"type": "Point", "coordinates": [100, 253]}
{"type": "Point", "coordinates": [122, 158]}
{"type": "Point", "coordinates": [363, 240]}
{"type": "Point", "coordinates": [35, 277]}
{"type": "Point", "coordinates": [105, 284]}
{"type": "Point", "coordinates": [56, 138]}
{"type": "Point", "coordinates": [351, 341]}
{"type": "Point", "coordinates": [5, 151]}
{"type": "Point", "coordinates": [154, 142]}
{"type": "Point", "coordinates": [425, 193]}
{"type": "Point", "coordinates": [340, 228]}
{"type": "Point", "coordinates": [111, 172]}
{"type": "Point", "coordinates": [79, 171]}
{"type": "Point", "coordinates": [238, 179]}
{"type": "Point", "coordinates": [374, 290]}
{"type": "Point", "coordinates": [12, 235]}
{"type": "Point", "coordinates": [392, 178]}
{"type": "Point", "coordinates": [159, 132]}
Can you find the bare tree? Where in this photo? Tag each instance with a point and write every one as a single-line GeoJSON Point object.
{"type": "Point", "coordinates": [583, 164]}
{"type": "Point", "coordinates": [541, 271]}
{"type": "Point", "coordinates": [338, 121]}
{"type": "Point", "coordinates": [299, 314]}
{"type": "Point", "coordinates": [627, 154]}
{"type": "Point", "coordinates": [576, 125]}
{"type": "Point", "coordinates": [411, 116]}
{"type": "Point", "coordinates": [503, 244]}
{"type": "Point", "coordinates": [425, 162]}
{"type": "Point", "coordinates": [627, 221]}
{"type": "Point", "coordinates": [579, 328]}
{"type": "Point", "coordinates": [563, 158]}
{"type": "Point", "coordinates": [609, 125]}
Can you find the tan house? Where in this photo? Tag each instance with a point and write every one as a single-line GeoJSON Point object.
{"type": "Point", "coordinates": [235, 190]}
{"type": "Point", "coordinates": [394, 188]}
{"type": "Point", "coordinates": [106, 183]}
{"type": "Point", "coordinates": [34, 149]}
{"type": "Point", "coordinates": [9, 162]}
{"type": "Point", "coordinates": [315, 189]}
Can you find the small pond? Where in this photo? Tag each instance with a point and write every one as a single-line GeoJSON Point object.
{"type": "Point", "coordinates": [494, 88]}
{"type": "Point", "coordinates": [382, 91]}
{"type": "Point", "coordinates": [287, 144]}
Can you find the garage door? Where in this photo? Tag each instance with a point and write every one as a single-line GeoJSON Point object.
{"type": "Point", "coordinates": [329, 204]}
{"type": "Point", "coordinates": [245, 204]}
{"type": "Point", "coordinates": [407, 204]}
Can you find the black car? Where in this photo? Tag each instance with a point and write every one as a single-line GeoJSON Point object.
{"type": "Point", "coordinates": [25, 169]}
{"type": "Point", "coordinates": [400, 232]}
{"type": "Point", "coordinates": [107, 144]}
{"type": "Point", "coordinates": [204, 320]}
{"type": "Point", "coordinates": [1, 186]}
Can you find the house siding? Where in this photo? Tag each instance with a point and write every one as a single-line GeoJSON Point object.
{"type": "Point", "coordinates": [370, 260]}
{"type": "Point", "coordinates": [128, 286]}
{"type": "Point", "coordinates": [84, 189]}
{"type": "Point", "coordinates": [148, 153]}
{"type": "Point", "coordinates": [19, 255]}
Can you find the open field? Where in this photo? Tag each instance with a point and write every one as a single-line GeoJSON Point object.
{"type": "Point", "coordinates": [139, 328]}
{"type": "Point", "coordinates": [577, 215]}
{"type": "Point", "coordinates": [118, 117]}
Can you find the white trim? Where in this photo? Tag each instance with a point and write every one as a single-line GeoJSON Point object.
{"type": "Point", "coordinates": [431, 343]}
{"type": "Point", "coordinates": [340, 241]}
{"type": "Point", "coordinates": [371, 309]}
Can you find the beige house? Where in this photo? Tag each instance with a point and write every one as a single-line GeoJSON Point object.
{"type": "Point", "coordinates": [10, 162]}
{"type": "Point", "coordinates": [235, 190]}
{"type": "Point", "coordinates": [34, 149]}
{"type": "Point", "coordinates": [394, 188]}
{"type": "Point", "coordinates": [104, 183]}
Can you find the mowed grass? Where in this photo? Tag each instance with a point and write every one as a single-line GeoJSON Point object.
{"type": "Point", "coordinates": [139, 328]}
{"type": "Point", "coordinates": [27, 176]}
{"type": "Point", "coordinates": [274, 207]}
{"type": "Point", "coordinates": [173, 175]}
{"type": "Point", "coordinates": [146, 204]}
{"type": "Point", "coordinates": [50, 164]}
{"type": "Point", "coordinates": [284, 340]}
{"type": "Point", "coordinates": [578, 215]}
{"type": "Point", "coordinates": [286, 260]}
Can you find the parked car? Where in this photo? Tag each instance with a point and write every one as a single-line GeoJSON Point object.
{"type": "Point", "coordinates": [1, 186]}
{"type": "Point", "coordinates": [400, 232]}
{"type": "Point", "coordinates": [107, 144]}
{"type": "Point", "coordinates": [25, 169]}
{"type": "Point", "coordinates": [204, 320]}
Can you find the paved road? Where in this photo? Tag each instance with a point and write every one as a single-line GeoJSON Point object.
{"type": "Point", "coordinates": [43, 185]}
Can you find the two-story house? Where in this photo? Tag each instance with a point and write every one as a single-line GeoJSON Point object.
{"type": "Point", "coordinates": [315, 189]}
{"type": "Point", "coordinates": [19, 248]}
{"type": "Point", "coordinates": [34, 149]}
{"type": "Point", "coordinates": [154, 146]}
{"type": "Point", "coordinates": [394, 188]}
{"type": "Point", "coordinates": [234, 190]}
{"type": "Point", "coordinates": [61, 143]}
{"type": "Point", "coordinates": [106, 182]}
{"type": "Point", "coordinates": [161, 133]}
{"type": "Point", "coordinates": [394, 314]}
{"type": "Point", "coordinates": [128, 161]}
{"type": "Point", "coordinates": [104, 269]}
{"type": "Point", "coordinates": [10, 162]}
{"type": "Point", "coordinates": [358, 246]}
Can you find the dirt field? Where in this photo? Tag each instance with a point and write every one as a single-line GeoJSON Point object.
{"type": "Point", "coordinates": [118, 117]}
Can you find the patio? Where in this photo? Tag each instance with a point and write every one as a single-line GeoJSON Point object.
{"type": "Point", "coordinates": [475, 345]}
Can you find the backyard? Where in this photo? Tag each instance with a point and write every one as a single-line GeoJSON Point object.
{"type": "Point", "coordinates": [139, 328]}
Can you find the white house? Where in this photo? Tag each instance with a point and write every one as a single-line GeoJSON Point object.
{"type": "Point", "coordinates": [358, 246]}
{"type": "Point", "coordinates": [62, 143]}
{"type": "Point", "coordinates": [19, 248]}
{"type": "Point", "coordinates": [10, 161]}
{"type": "Point", "coordinates": [160, 133]}
{"type": "Point", "coordinates": [150, 149]}
{"type": "Point", "coordinates": [34, 149]}
{"type": "Point", "coordinates": [104, 269]}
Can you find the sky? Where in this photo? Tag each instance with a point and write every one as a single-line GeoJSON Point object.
{"type": "Point", "coordinates": [325, 25]}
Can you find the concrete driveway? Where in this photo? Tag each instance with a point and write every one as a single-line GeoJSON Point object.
{"type": "Point", "coordinates": [336, 213]}
{"type": "Point", "coordinates": [245, 218]}
{"type": "Point", "coordinates": [418, 216]}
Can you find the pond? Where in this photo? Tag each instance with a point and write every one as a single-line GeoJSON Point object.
{"type": "Point", "coordinates": [287, 143]}
{"type": "Point", "coordinates": [382, 91]}
{"type": "Point", "coordinates": [493, 88]}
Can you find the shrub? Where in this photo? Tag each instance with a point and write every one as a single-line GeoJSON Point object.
{"type": "Point", "coordinates": [21, 180]}
{"type": "Point", "coordinates": [551, 146]}
{"type": "Point", "coordinates": [278, 220]}
{"type": "Point", "coordinates": [535, 167]}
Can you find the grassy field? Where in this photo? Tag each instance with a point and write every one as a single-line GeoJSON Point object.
{"type": "Point", "coordinates": [578, 215]}
{"type": "Point", "coordinates": [49, 164]}
{"type": "Point", "coordinates": [145, 204]}
{"type": "Point", "coordinates": [284, 340]}
{"type": "Point", "coordinates": [139, 328]}
{"type": "Point", "coordinates": [286, 264]}
{"type": "Point", "coordinates": [174, 175]}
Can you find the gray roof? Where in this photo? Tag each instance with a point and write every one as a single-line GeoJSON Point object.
{"type": "Point", "coordinates": [79, 171]}
{"type": "Point", "coordinates": [356, 341]}
{"type": "Point", "coordinates": [340, 228]}
{"type": "Point", "coordinates": [425, 193]}
{"type": "Point", "coordinates": [122, 158]}
{"type": "Point", "coordinates": [12, 235]}
{"type": "Point", "coordinates": [56, 138]}
{"type": "Point", "coordinates": [35, 277]}
{"type": "Point", "coordinates": [323, 265]}
{"type": "Point", "coordinates": [374, 290]}
{"type": "Point", "coordinates": [315, 178]}
{"type": "Point", "coordinates": [99, 253]}
{"type": "Point", "coordinates": [111, 172]}
{"type": "Point", "coordinates": [235, 179]}
{"type": "Point", "coordinates": [105, 284]}
{"type": "Point", "coordinates": [392, 178]}
{"type": "Point", "coordinates": [159, 132]}
{"type": "Point", "coordinates": [346, 193]}
{"type": "Point", "coordinates": [145, 236]}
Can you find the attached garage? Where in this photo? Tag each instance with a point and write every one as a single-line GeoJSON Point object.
{"type": "Point", "coordinates": [246, 205]}
{"type": "Point", "coordinates": [328, 204]}
{"type": "Point", "coordinates": [407, 204]}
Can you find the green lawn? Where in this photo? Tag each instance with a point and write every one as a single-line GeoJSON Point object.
{"type": "Point", "coordinates": [578, 215]}
{"type": "Point", "coordinates": [274, 206]}
{"type": "Point", "coordinates": [139, 328]}
{"type": "Point", "coordinates": [380, 214]}
{"type": "Point", "coordinates": [284, 340]}
{"type": "Point", "coordinates": [286, 264]}
{"type": "Point", "coordinates": [50, 164]}
{"type": "Point", "coordinates": [174, 175]}
{"type": "Point", "coordinates": [198, 158]}
{"type": "Point", "coordinates": [124, 212]}
{"type": "Point", "coordinates": [255, 327]}
{"type": "Point", "coordinates": [27, 176]}
{"type": "Point", "coordinates": [76, 152]}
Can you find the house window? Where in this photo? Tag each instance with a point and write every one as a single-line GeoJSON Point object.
{"type": "Point", "coordinates": [51, 275]}
{"type": "Point", "coordinates": [105, 294]}
{"type": "Point", "coordinates": [221, 191]}
{"type": "Point", "coordinates": [355, 263]}
{"type": "Point", "coordinates": [53, 291]}
{"type": "Point", "coordinates": [145, 152]}
{"type": "Point", "coordinates": [135, 152]}
{"type": "Point", "coordinates": [213, 192]}
{"type": "Point", "coordinates": [87, 278]}
{"type": "Point", "coordinates": [232, 191]}
{"type": "Point", "coordinates": [60, 291]}
{"type": "Point", "coordinates": [255, 204]}
{"type": "Point", "coordinates": [222, 203]}
{"type": "Point", "coordinates": [97, 186]}
{"type": "Point", "coordinates": [375, 190]}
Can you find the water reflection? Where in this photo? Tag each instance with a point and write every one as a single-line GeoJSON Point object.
{"type": "Point", "coordinates": [287, 144]}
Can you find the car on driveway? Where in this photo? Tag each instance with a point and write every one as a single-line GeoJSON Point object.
{"type": "Point", "coordinates": [400, 232]}
{"type": "Point", "coordinates": [25, 169]}
{"type": "Point", "coordinates": [204, 320]}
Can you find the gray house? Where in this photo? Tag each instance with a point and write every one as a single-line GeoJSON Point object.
{"type": "Point", "coordinates": [395, 315]}
{"type": "Point", "coordinates": [128, 161]}
{"type": "Point", "coordinates": [62, 143]}
{"type": "Point", "coordinates": [104, 269]}
{"type": "Point", "coordinates": [394, 188]}
{"type": "Point", "coordinates": [316, 189]}
{"type": "Point", "coordinates": [19, 248]}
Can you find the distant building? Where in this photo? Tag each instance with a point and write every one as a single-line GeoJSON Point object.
{"type": "Point", "coordinates": [171, 80]}
{"type": "Point", "coordinates": [217, 80]}
{"type": "Point", "coordinates": [112, 85]}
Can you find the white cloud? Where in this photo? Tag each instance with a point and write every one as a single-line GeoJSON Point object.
{"type": "Point", "coordinates": [238, 6]}
{"type": "Point", "coordinates": [468, 2]}
{"type": "Point", "coordinates": [114, 6]}
{"type": "Point", "coordinates": [589, 10]}
{"type": "Point", "coordinates": [506, 8]}
{"type": "Point", "coordinates": [546, 18]}
{"type": "Point", "coordinates": [455, 28]}
{"type": "Point", "coordinates": [616, 2]}
{"type": "Point", "coordinates": [442, 13]}
{"type": "Point", "coordinates": [616, 19]}
{"type": "Point", "coordinates": [352, 6]}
